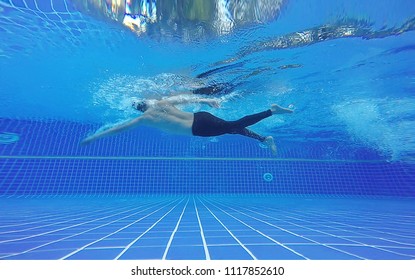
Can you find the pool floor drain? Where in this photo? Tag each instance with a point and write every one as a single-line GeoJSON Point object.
{"type": "Point", "coordinates": [268, 177]}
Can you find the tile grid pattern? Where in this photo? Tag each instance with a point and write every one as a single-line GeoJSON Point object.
{"type": "Point", "coordinates": [207, 227]}
{"type": "Point", "coordinates": [142, 162]}
{"type": "Point", "coordinates": [138, 176]}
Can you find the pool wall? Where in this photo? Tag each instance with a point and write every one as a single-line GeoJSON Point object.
{"type": "Point", "coordinates": [48, 160]}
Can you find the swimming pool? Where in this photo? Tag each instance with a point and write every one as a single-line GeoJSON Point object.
{"type": "Point", "coordinates": [341, 187]}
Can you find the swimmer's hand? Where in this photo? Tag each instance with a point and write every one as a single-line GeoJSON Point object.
{"type": "Point", "coordinates": [87, 141]}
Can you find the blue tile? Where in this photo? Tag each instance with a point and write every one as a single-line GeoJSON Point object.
{"type": "Point", "coordinates": [41, 255]}
{"type": "Point", "coordinates": [151, 242]}
{"type": "Point", "coordinates": [330, 240]}
{"type": "Point", "coordinates": [144, 253]}
{"type": "Point", "coordinates": [320, 213]}
{"type": "Point", "coordinates": [259, 239]}
{"type": "Point", "coordinates": [228, 253]}
{"type": "Point", "coordinates": [185, 241]}
{"type": "Point", "coordinates": [72, 244]}
{"type": "Point", "coordinates": [409, 253]}
{"type": "Point", "coordinates": [184, 234]}
{"type": "Point", "coordinates": [319, 252]}
{"type": "Point", "coordinates": [157, 234]}
{"type": "Point", "coordinates": [273, 252]}
{"type": "Point", "coordinates": [289, 238]}
{"type": "Point", "coordinates": [186, 253]}
{"type": "Point", "coordinates": [192, 227]}
{"type": "Point", "coordinates": [215, 233]}
{"type": "Point", "coordinates": [374, 241]}
{"type": "Point", "coordinates": [228, 240]}
{"type": "Point", "coordinates": [112, 242]}
{"type": "Point", "coordinates": [18, 246]}
{"type": "Point", "coordinates": [96, 254]}
{"type": "Point", "coordinates": [371, 253]}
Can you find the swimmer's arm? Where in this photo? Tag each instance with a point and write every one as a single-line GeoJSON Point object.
{"type": "Point", "coordinates": [113, 130]}
{"type": "Point", "coordinates": [188, 99]}
{"type": "Point", "coordinates": [214, 103]}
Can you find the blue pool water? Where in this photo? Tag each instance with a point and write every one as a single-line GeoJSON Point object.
{"type": "Point", "coordinates": [342, 185]}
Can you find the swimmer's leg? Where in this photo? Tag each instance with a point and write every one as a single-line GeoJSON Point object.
{"type": "Point", "coordinates": [249, 133]}
{"type": "Point", "coordinates": [254, 118]}
{"type": "Point", "coordinates": [249, 120]}
{"type": "Point", "coordinates": [269, 140]}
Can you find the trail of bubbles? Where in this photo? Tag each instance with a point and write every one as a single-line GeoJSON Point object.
{"type": "Point", "coordinates": [115, 95]}
{"type": "Point", "coordinates": [387, 125]}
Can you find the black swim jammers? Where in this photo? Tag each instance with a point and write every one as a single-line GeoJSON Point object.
{"type": "Point", "coordinates": [205, 124]}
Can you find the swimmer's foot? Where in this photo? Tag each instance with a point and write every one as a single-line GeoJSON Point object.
{"type": "Point", "coordinates": [276, 109]}
{"type": "Point", "coordinates": [269, 141]}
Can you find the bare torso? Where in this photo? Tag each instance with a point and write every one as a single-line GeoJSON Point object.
{"type": "Point", "coordinates": [166, 117]}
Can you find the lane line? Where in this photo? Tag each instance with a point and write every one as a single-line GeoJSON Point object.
{"type": "Point", "coordinates": [189, 159]}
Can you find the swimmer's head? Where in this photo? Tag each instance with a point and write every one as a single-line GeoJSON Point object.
{"type": "Point", "coordinates": [140, 105]}
{"type": "Point", "coordinates": [144, 104]}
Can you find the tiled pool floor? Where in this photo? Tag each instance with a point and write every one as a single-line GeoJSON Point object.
{"type": "Point", "coordinates": [207, 227]}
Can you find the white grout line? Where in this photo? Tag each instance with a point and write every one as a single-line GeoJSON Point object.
{"type": "Point", "coordinates": [293, 233]}
{"type": "Point", "coordinates": [205, 247]}
{"type": "Point", "coordinates": [141, 235]}
{"type": "Point", "coordinates": [174, 231]}
{"type": "Point", "coordinates": [233, 210]}
{"type": "Point", "coordinates": [115, 232]}
{"type": "Point", "coordinates": [64, 228]}
{"type": "Point", "coordinates": [379, 247]}
{"type": "Point", "coordinates": [73, 235]}
{"type": "Point", "coordinates": [47, 216]}
{"type": "Point", "coordinates": [234, 237]}
{"type": "Point", "coordinates": [261, 233]}
{"type": "Point", "coordinates": [99, 211]}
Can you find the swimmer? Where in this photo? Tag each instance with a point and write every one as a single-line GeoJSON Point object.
{"type": "Point", "coordinates": [164, 115]}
